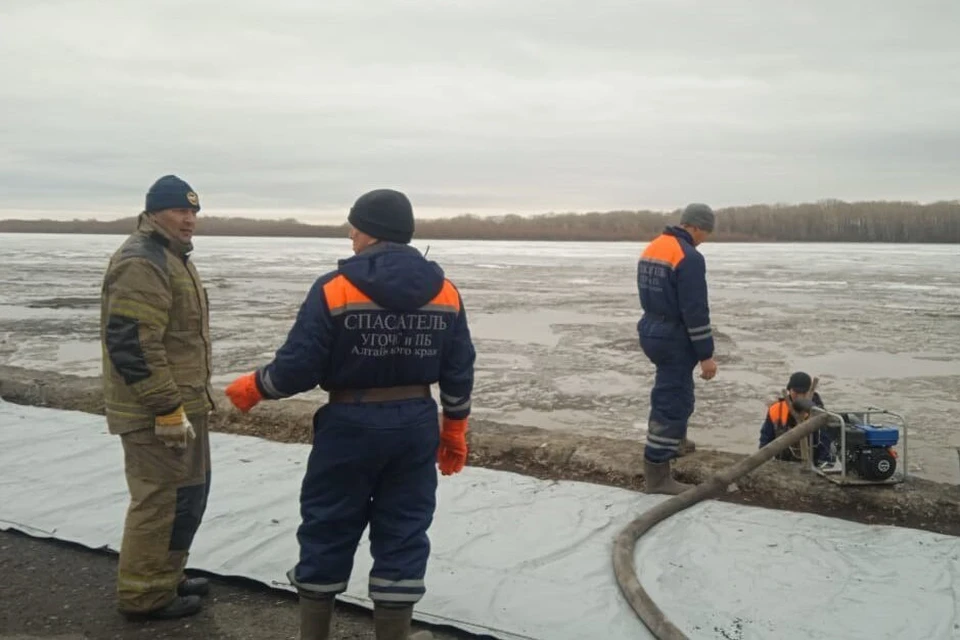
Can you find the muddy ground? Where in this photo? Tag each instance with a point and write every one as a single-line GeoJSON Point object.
{"type": "Point", "coordinates": [53, 590]}
{"type": "Point", "coordinates": [918, 503]}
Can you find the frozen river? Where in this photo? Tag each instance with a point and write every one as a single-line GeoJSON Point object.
{"type": "Point", "coordinates": [555, 326]}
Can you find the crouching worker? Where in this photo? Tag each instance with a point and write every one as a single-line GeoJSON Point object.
{"type": "Point", "coordinates": [779, 420]}
{"type": "Point", "coordinates": [374, 333]}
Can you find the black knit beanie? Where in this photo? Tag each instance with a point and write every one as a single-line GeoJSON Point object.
{"type": "Point", "coordinates": [800, 382]}
{"type": "Point", "coordinates": [384, 214]}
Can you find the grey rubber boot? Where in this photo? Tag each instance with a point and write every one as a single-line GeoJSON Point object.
{"type": "Point", "coordinates": [316, 618]}
{"type": "Point", "coordinates": [393, 623]}
{"type": "Point", "coordinates": [658, 479]}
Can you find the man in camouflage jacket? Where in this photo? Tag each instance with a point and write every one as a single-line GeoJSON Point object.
{"type": "Point", "coordinates": [154, 329]}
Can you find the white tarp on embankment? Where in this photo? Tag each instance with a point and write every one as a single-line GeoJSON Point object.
{"type": "Point", "coordinates": [515, 557]}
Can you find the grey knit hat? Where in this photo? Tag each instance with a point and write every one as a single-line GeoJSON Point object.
{"type": "Point", "coordinates": [698, 215]}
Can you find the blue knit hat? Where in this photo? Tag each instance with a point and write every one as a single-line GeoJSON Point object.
{"type": "Point", "coordinates": [170, 192]}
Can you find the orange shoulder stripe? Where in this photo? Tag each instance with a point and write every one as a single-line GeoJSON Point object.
{"type": "Point", "coordinates": [447, 300]}
{"type": "Point", "coordinates": [665, 250]}
{"type": "Point", "coordinates": [342, 296]}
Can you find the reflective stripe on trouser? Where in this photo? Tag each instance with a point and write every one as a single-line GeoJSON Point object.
{"type": "Point", "coordinates": [168, 496]}
{"type": "Point", "coordinates": [672, 397]}
{"type": "Point", "coordinates": [370, 464]}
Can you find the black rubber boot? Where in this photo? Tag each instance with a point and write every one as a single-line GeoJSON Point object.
{"type": "Point", "coordinates": [179, 607]}
{"type": "Point", "coordinates": [658, 479]}
{"type": "Point", "coordinates": [193, 587]}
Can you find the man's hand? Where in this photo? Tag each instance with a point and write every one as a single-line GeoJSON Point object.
{"type": "Point", "coordinates": [452, 453]}
{"type": "Point", "coordinates": [708, 368]}
{"type": "Point", "coordinates": [174, 430]}
{"type": "Point", "coordinates": [244, 393]}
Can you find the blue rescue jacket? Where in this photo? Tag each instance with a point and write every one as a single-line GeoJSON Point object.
{"type": "Point", "coordinates": [779, 417]}
{"type": "Point", "coordinates": [672, 283]}
{"type": "Point", "coordinates": [385, 317]}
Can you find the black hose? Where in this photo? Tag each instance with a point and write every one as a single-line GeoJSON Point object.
{"type": "Point", "coordinates": [624, 545]}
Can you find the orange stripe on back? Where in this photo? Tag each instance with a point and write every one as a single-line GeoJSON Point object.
{"type": "Point", "coordinates": [341, 295]}
{"type": "Point", "coordinates": [448, 297]}
{"type": "Point", "coordinates": [665, 249]}
{"type": "Point", "coordinates": [340, 292]}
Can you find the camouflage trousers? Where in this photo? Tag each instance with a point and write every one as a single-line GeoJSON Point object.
{"type": "Point", "coordinates": [168, 496]}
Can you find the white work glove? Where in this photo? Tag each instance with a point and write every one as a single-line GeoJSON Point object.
{"type": "Point", "coordinates": [174, 430]}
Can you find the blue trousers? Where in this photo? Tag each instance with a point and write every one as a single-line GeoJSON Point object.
{"type": "Point", "coordinates": [672, 397]}
{"type": "Point", "coordinates": [371, 464]}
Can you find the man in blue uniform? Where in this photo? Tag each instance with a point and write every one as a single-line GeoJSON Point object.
{"type": "Point", "coordinates": [374, 333]}
{"type": "Point", "coordinates": [779, 420]}
{"type": "Point", "coordinates": [675, 334]}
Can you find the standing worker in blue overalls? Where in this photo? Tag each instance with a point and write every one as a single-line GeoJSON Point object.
{"type": "Point", "coordinates": [675, 334]}
{"type": "Point", "coordinates": [374, 333]}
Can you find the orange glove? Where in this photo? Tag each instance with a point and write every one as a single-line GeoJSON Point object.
{"type": "Point", "coordinates": [452, 453]}
{"type": "Point", "coordinates": [243, 392]}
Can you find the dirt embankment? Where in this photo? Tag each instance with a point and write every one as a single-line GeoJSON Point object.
{"type": "Point", "coordinates": [918, 503]}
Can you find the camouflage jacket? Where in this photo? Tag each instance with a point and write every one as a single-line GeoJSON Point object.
{"type": "Point", "coordinates": [155, 332]}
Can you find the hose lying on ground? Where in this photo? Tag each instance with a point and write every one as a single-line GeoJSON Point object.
{"type": "Point", "coordinates": [623, 547]}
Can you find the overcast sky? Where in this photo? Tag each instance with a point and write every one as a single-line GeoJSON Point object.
{"type": "Point", "coordinates": [280, 108]}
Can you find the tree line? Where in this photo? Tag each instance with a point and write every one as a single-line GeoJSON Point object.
{"type": "Point", "coordinates": [823, 221]}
